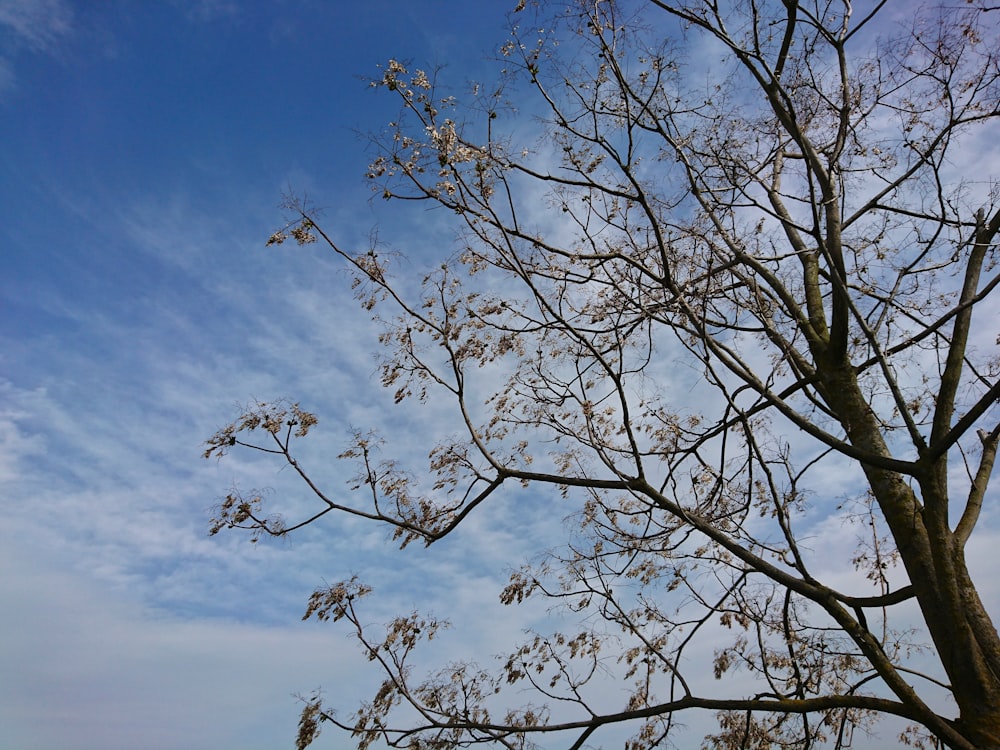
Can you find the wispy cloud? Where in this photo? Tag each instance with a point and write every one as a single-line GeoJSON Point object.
{"type": "Point", "coordinates": [39, 24]}
{"type": "Point", "coordinates": [35, 25]}
{"type": "Point", "coordinates": [131, 607]}
{"type": "Point", "coordinates": [204, 11]}
{"type": "Point", "coordinates": [151, 314]}
{"type": "Point", "coordinates": [84, 662]}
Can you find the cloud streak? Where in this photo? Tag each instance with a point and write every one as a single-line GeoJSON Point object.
{"type": "Point", "coordinates": [39, 24]}
{"type": "Point", "coordinates": [86, 663]}
{"type": "Point", "coordinates": [36, 25]}
{"type": "Point", "coordinates": [145, 307]}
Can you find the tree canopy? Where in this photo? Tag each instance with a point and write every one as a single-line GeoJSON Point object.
{"type": "Point", "coordinates": [738, 281]}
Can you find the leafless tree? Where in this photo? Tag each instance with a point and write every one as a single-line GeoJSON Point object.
{"type": "Point", "coordinates": [785, 206]}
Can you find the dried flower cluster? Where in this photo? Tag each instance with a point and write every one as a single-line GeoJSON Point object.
{"type": "Point", "coordinates": [281, 419]}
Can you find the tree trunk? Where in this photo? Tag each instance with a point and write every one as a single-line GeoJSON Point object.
{"type": "Point", "coordinates": [959, 625]}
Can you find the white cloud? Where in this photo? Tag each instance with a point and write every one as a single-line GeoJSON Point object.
{"type": "Point", "coordinates": [131, 628]}
{"type": "Point", "coordinates": [36, 25]}
{"type": "Point", "coordinates": [39, 24]}
{"type": "Point", "coordinates": [205, 11]}
{"type": "Point", "coordinates": [125, 625]}
{"type": "Point", "coordinates": [15, 444]}
{"type": "Point", "coordinates": [88, 668]}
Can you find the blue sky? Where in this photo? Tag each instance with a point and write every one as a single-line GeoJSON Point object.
{"type": "Point", "coordinates": [144, 148]}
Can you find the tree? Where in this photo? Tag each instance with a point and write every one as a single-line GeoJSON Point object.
{"type": "Point", "coordinates": [781, 205]}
